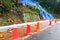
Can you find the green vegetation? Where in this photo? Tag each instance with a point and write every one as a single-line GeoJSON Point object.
{"type": "Point", "coordinates": [11, 10]}
{"type": "Point", "coordinates": [52, 6]}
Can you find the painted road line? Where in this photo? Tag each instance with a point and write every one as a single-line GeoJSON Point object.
{"type": "Point", "coordinates": [45, 28]}
{"type": "Point", "coordinates": [25, 37]}
{"type": "Point", "coordinates": [36, 32]}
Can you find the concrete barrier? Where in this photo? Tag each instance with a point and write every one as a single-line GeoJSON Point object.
{"type": "Point", "coordinates": [43, 24]}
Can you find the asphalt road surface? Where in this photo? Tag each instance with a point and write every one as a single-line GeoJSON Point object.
{"type": "Point", "coordinates": [52, 33]}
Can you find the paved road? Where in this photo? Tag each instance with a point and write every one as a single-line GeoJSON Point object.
{"type": "Point", "coordinates": [52, 33]}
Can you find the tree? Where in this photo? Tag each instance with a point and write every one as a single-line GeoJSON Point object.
{"type": "Point", "coordinates": [6, 5]}
{"type": "Point", "coordinates": [52, 5]}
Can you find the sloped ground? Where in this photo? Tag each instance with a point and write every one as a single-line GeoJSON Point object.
{"type": "Point", "coordinates": [21, 14]}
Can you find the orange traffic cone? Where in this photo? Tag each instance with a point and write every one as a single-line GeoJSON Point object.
{"type": "Point", "coordinates": [28, 31]}
{"type": "Point", "coordinates": [37, 27]}
{"type": "Point", "coordinates": [50, 23]}
{"type": "Point", "coordinates": [15, 33]}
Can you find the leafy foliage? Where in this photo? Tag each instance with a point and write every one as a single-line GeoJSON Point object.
{"type": "Point", "coordinates": [51, 5]}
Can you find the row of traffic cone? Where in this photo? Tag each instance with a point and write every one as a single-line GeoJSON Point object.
{"type": "Point", "coordinates": [28, 30]}
{"type": "Point", "coordinates": [50, 23]}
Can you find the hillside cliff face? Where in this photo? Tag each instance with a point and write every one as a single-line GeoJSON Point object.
{"type": "Point", "coordinates": [20, 13]}
{"type": "Point", "coordinates": [14, 10]}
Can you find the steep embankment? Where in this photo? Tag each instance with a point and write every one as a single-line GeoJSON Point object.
{"type": "Point", "coordinates": [21, 14]}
